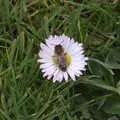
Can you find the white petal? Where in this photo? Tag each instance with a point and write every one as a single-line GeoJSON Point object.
{"type": "Point", "coordinates": [49, 77]}
{"type": "Point", "coordinates": [74, 49]}
{"type": "Point", "coordinates": [76, 67]}
{"type": "Point", "coordinates": [43, 54]}
{"type": "Point", "coordinates": [44, 61]}
{"type": "Point", "coordinates": [50, 70]}
{"type": "Point", "coordinates": [45, 74]}
{"type": "Point", "coordinates": [55, 78]}
{"type": "Point", "coordinates": [65, 45]}
{"type": "Point", "coordinates": [86, 58]}
{"type": "Point", "coordinates": [42, 46]}
{"type": "Point", "coordinates": [46, 49]}
{"type": "Point", "coordinates": [46, 65]}
{"type": "Point", "coordinates": [65, 76]}
{"type": "Point", "coordinates": [60, 76]}
{"type": "Point", "coordinates": [54, 40]}
{"type": "Point", "coordinates": [71, 73]}
{"type": "Point", "coordinates": [78, 73]}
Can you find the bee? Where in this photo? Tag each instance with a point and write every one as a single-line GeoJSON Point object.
{"type": "Point", "coordinates": [60, 57]}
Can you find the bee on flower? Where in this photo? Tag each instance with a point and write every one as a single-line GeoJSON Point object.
{"type": "Point", "coordinates": [61, 57]}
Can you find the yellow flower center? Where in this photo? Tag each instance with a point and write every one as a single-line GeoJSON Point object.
{"type": "Point", "coordinates": [54, 59]}
{"type": "Point", "coordinates": [67, 58]}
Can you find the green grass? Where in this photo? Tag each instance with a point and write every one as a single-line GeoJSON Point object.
{"type": "Point", "coordinates": [25, 94]}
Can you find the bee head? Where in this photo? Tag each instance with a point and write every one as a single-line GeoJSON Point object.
{"type": "Point", "coordinates": [59, 49]}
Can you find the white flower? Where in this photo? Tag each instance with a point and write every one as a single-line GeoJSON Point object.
{"type": "Point", "coordinates": [72, 56]}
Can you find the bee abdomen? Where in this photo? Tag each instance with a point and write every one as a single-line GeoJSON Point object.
{"type": "Point", "coordinates": [63, 67]}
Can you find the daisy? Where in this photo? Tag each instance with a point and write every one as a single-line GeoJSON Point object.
{"type": "Point", "coordinates": [61, 57]}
